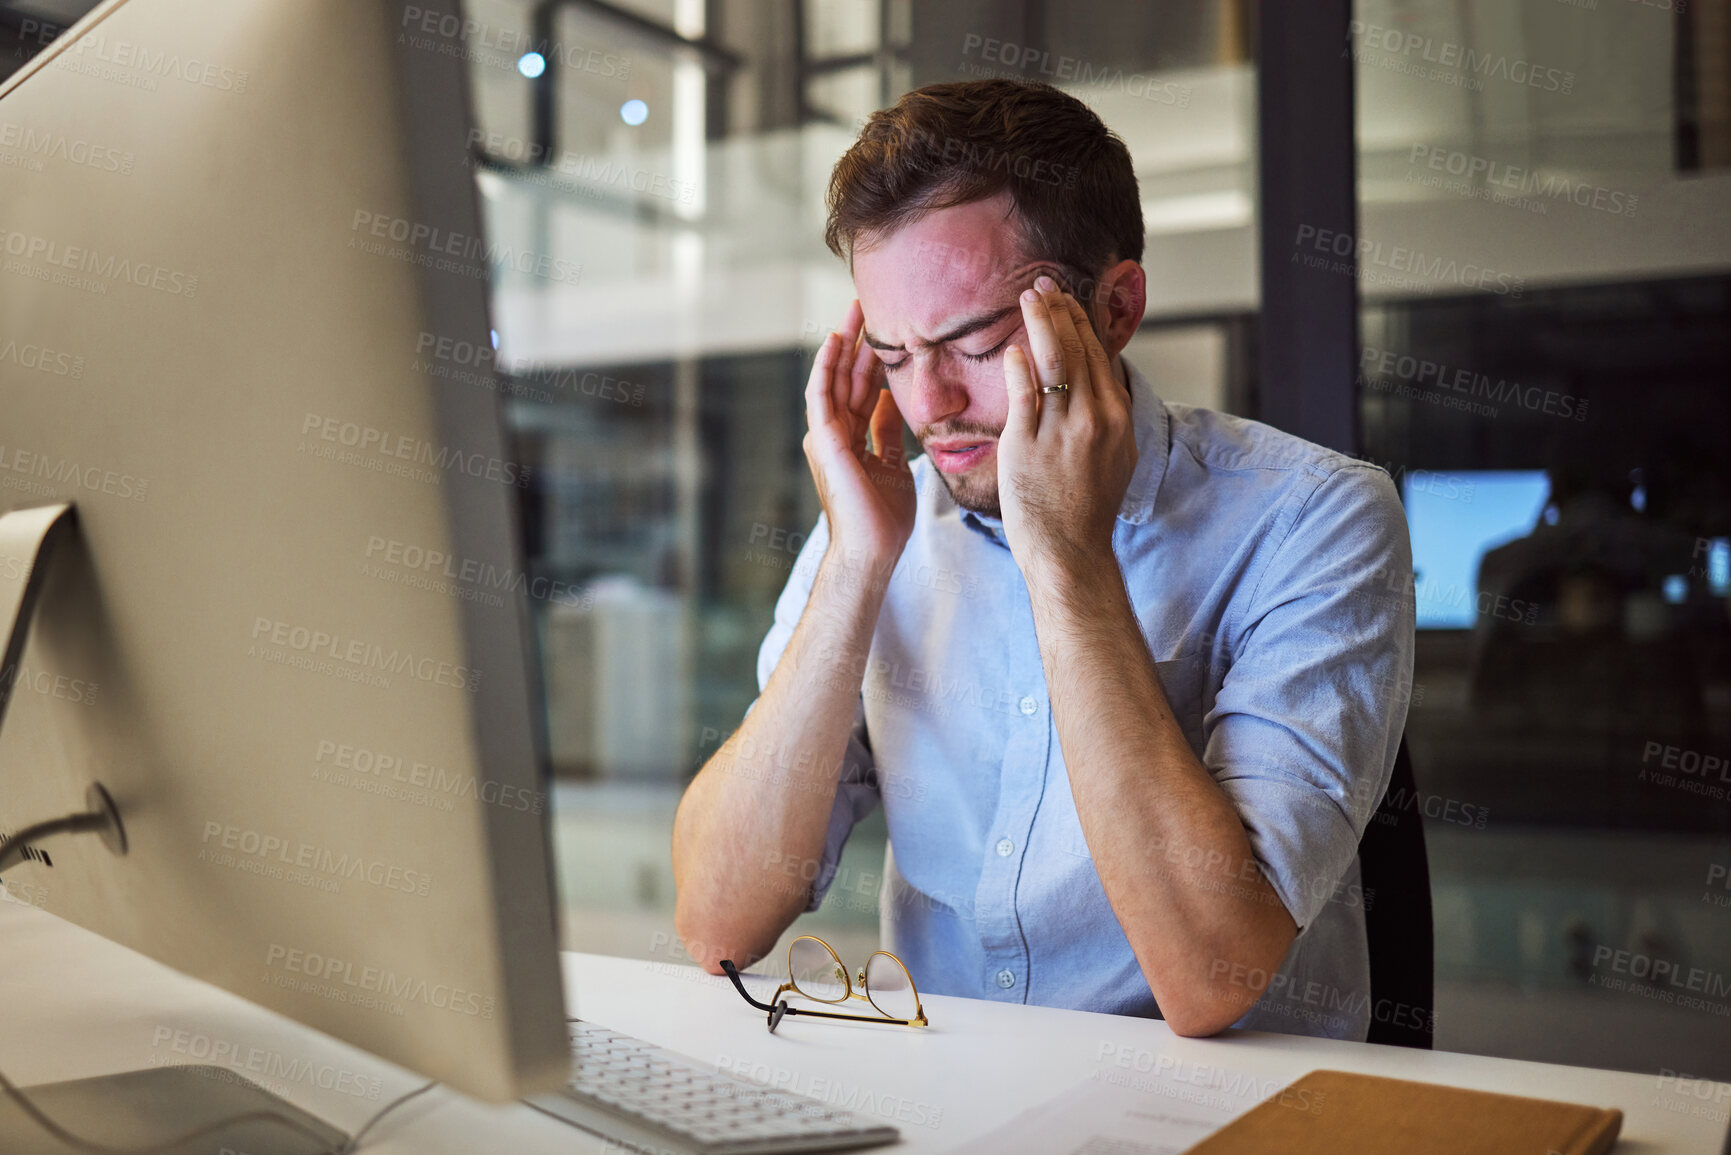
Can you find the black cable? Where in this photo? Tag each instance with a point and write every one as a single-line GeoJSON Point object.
{"type": "Point", "coordinates": [35, 1113]}
{"type": "Point", "coordinates": [12, 849]}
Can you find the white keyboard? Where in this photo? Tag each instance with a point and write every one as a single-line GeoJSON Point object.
{"type": "Point", "coordinates": [646, 1099]}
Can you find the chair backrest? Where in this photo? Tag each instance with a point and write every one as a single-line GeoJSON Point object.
{"type": "Point", "coordinates": [1395, 872]}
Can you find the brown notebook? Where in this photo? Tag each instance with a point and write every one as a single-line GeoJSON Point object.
{"type": "Point", "coordinates": [1337, 1113]}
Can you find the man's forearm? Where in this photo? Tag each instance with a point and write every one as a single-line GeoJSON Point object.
{"type": "Point", "coordinates": [765, 797]}
{"type": "Point", "coordinates": [1170, 849]}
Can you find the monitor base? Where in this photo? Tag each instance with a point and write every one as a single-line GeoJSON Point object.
{"type": "Point", "coordinates": [139, 1108]}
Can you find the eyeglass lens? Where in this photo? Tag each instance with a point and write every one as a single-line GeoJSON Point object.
{"type": "Point", "coordinates": [889, 986]}
{"type": "Point", "coordinates": [815, 971]}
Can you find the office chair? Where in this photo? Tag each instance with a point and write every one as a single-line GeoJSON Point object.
{"type": "Point", "coordinates": [1395, 872]}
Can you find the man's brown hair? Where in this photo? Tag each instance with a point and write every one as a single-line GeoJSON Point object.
{"type": "Point", "coordinates": [1068, 175]}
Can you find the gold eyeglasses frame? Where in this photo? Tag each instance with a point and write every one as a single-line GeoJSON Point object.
{"type": "Point", "coordinates": [778, 1005]}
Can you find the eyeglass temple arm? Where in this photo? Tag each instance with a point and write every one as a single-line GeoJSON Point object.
{"type": "Point", "coordinates": [779, 1007]}
{"type": "Point", "coordinates": [733, 973]}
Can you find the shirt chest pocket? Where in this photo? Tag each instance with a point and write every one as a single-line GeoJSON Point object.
{"type": "Point", "coordinates": [1184, 682]}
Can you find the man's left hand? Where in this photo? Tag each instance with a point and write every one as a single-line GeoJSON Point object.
{"type": "Point", "coordinates": [1064, 458]}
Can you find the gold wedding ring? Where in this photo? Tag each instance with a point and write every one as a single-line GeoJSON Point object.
{"type": "Point", "coordinates": [1054, 389]}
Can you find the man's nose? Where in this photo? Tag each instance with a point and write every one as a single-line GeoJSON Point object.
{"type": "Point", "coordinates": [927, 395]}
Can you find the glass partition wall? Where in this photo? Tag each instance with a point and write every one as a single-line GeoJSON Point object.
{"type": "Point", "coordinates": [1546, 353]}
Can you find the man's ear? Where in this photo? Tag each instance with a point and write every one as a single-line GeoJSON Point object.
{"type": "Point", "coordinates": [1119, 305]}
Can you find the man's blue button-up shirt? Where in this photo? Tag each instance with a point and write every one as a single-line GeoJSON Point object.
{"type": "Point", "coordinates": [1273, 582]}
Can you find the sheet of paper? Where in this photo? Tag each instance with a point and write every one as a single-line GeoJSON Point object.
{"type": "Point", "coordinates": [1159, 1112]}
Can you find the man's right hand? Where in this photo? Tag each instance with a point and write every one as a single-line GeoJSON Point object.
{"type": "Point", "coordinates": [854, 447]}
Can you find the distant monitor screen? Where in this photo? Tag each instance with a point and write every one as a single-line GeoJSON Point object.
{"type": "Point", "coordinates": [1455, 519]}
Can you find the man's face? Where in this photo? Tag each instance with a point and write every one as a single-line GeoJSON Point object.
{"type": "Point", "coordinates": [941, 304]}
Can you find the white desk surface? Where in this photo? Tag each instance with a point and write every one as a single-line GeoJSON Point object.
{"type": "Point", "coordinates": [73, 1004]}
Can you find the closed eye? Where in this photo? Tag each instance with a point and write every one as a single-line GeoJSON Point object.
{"type": "Point", "coordinates": [990, 353]}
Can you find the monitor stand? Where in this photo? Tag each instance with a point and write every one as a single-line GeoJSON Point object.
{"type": "Point", "coordinates": [134, 1108]}
{"type": "Point", "coordinates": [143, 1108]}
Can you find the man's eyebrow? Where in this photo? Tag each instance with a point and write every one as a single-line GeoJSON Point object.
{"type": "Point", "coordinates": [965, 329]}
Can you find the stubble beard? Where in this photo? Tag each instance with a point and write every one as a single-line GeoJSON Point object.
{"type": "Point", "coordinates": [976, 490]}
{"type": "Point", "coordinates": [976, 494]}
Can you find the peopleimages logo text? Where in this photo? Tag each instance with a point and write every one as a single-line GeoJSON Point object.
{"type": "Point", "coordinates": [450, 251]}
{"type": "Point", "coordinates": [381, 766]}
{"type": "Point", "coordinates": [311, 856]}
{"type": "Point", "coordinates": [1441, 376]}
{"type": "Point", "coordinates": [363, 654]}
{"type": "Point", "coordinates": [1514, 181]}
{"type": "Point", "coordinates": [94, 49]}
{"type": "Point", "coordinates": [1374, 257]}
{"type": "Point", "coordinates": [93, 262]}
{"type": "Point", "coordinates": [510, 43]}
{"type": "Point", "coordinates": [45, 144]}
{"type": "Point", "coordinates": [471, 571]}
{"type": "Point", "coordinates": [374, 980]}
{"type": "Point", "coordinates": [383, 443]}
{"type": "Point", "coordinates": [270, 1066]}
{"type": "Point", "coordinates": [56, 474]}
{"type": "Point", "coordinates": [42, 359]}
{"type": "Point", "coordinates": [1462, 59]}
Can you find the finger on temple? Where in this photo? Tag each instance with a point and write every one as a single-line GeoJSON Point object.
{"type": "Point", "coordinates": [865, 375]}
{"type": "Point", "coordinates": [1046, 359]}
{"type": "Point", "coordinates": [819, 400]}
{"type": "Point", "coordinates": [1100, 373]}
{"type": "Point", "coordinates": [851, 324]}
{"type": "Point", "coordinates": [1024, 415]}
{"type": "Point", "coordinates": [1085, 329]}
{"type": "Point", "coordinates": [886, 425]}
{"type": "Point", "coordinates": [829, 436]}
{"type": "Point", "coordinates": [1075, 359]}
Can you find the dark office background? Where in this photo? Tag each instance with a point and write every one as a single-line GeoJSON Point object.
{"type": "Point", "coordinates": [1548, 378]}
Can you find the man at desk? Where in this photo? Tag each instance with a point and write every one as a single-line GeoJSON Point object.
{"type": "Point", "coordinates": [1125, 675]}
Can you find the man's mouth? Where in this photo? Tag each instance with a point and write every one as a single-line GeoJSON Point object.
{"type": "Point", "coordinates": [959, 454]}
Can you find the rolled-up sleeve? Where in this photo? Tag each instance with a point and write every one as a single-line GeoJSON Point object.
{"type": "Point", "coordinates": [857, 789]}
{"type": "Point", "coordinates": [1303, 733]}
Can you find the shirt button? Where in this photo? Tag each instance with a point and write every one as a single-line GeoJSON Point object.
{"type": "Point", "coordinates": [1006, 979]}
{"type": "Point", "coordinates": [1005, 848]}
{"type": "Point", "coordinates": [1029, 706]}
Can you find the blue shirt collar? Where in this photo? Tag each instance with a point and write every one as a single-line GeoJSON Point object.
{"type": "Point", "coordinates": [1152, 425]}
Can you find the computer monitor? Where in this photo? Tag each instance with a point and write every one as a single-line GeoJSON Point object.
{"type": "Point", "coordinates": [286, 631]}
{"type": "Point", "coordinates": [1455, 518]}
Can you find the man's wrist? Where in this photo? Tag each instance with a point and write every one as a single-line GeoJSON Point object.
{"type": "Point", "coordinates": [835, 630]}
{"type": "Point", "coordinates": [854, 576]}
{"type": "Point", "coordinates": [1067, 572]}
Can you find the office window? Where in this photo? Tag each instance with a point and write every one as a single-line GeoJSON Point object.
{"type": "Point", "coordinates": [1546, 277]}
